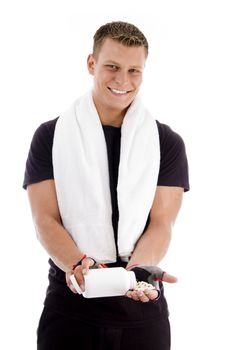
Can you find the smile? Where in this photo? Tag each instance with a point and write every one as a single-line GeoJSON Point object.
{"type": "Point", "coordinates": [119, 92]}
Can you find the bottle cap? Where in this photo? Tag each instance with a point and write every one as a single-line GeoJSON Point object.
{"type": "Point", "coordinates": [133, 280]}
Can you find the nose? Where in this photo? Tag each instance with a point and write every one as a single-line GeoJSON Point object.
{"type": "Point", "coordinates": [121, 78]}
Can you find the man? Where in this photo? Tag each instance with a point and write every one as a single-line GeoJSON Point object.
{"type": "Point", "coordinates": [105, 183]}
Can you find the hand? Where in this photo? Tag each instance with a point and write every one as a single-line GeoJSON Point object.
{"type": "Point", "coordinates": [143, 296]}
{"type": "Point", "coordinates": [79, 273]}
{"type": "Point", "coordinates": [150, 294]}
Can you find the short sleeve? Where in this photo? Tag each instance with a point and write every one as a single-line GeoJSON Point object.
{"type": "Point", "coordinates": [39, 165]}
{"type": "Point", "coordinates": [173, 163]}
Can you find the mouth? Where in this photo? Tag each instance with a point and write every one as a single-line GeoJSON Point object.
{"type": "Point", "coordinates": [117, 92]}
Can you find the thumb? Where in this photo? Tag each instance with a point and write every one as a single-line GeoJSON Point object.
{"type": "Point", "coordinates": [86, 264]}
{"type": "Point", "coordinates": [169, 278]}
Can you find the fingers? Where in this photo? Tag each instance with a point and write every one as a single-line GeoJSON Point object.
{"type": "Point", "coordinates": [169, 278]}
{"type": "Point", "coordinates": [143, 296]}
{"type": "Point", "coordinates": [79, 273]}
{"type": "Point", "coordinates": [69, 283]}
{"type": "Point", "coordinates": [86, 264]}
{"type": "Point", "coordinates": [151, 294]}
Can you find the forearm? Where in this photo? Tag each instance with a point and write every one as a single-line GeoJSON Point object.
{"type": "Point", "coordinates": [152, 245]}
{"type": "Point", "coordinates": [58, 243]}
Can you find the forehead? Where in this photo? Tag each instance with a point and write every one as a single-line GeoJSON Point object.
{"type": "Point", "coordinates": [112, 50]}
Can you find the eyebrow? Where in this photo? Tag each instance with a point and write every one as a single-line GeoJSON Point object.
{"type": "Point", "coordinates": [117, 64]}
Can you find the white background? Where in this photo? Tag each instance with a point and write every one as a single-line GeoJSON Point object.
{"type": "Point", "coordinates": [188, 84]}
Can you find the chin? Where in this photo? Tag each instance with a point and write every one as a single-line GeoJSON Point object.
{"type": "Point", "coordinates": [121, 106]}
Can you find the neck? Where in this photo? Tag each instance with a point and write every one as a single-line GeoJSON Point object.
{"type": "Point", "coordinates": [111, 120]}
{"type": "Point", "coordinates": [109, 116]}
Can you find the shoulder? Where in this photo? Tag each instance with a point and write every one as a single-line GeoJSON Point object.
{"type": "Point", "coordinates": [168, 137]}
{"type": "Point", "coordinates": [171, 143]}
{"type": "Point", "coordinates": [43, 136]}
{"type": "Point", "coordinates": [46, 129]}
{"type": "Point", "coordinates": [39, 161]}
{"type": "Point", "coordinates": [173, 158]}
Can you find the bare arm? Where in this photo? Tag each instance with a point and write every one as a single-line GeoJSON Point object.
{"type": "Point", "coordinates": [153, 244]}
{"type": "Point", "coordinates": [50, 231]}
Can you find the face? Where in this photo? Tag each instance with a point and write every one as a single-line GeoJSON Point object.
{"type": "Point", "coordinates": [117, 72]}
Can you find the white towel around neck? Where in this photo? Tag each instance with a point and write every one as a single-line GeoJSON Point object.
{"type": "Point", "coordinates": [81, 176]}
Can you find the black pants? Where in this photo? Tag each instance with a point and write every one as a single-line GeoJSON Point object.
{"type": "Point", "coordinates": [58, 332]}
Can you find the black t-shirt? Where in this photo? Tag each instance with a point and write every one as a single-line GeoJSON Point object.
{"type": "Point", "coordinates": [117, 311]}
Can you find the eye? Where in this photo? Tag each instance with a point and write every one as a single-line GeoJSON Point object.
{"type": "Point", "coordinates": [112, 67]}
{"type": "Point", "coordinates": [134, 71]}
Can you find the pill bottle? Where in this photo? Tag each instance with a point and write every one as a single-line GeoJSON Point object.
{"type": "Point", "coordinates": [106, 282]}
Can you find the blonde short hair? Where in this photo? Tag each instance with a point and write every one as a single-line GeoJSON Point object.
{"type": "Point", "coordinates": [125, 33]}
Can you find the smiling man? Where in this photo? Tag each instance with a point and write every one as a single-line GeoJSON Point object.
{"type": "Point", "coordinates": [117, 71]}
{"type": "Point", "coordinates": [105, 182]}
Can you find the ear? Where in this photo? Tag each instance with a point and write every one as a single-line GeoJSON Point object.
{"type": "Point", "coordinates": [91, 64]}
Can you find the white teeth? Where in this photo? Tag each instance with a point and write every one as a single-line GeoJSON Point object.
{"type": "Point", "coordinates": [118, 91]}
